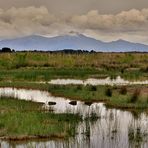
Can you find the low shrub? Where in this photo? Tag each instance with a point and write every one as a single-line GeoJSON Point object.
{"type": "Point", "coordinates": [123, 90]}
{"type": "Point", "coordinates": [135, 96]}
{"type": "Point", "coordinates": [108, 92]}
{"type": "Point", "coordinates": [91, 88]}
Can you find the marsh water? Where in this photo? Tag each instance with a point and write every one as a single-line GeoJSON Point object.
{"type": "Point", "coordinates": [112, 129]}
{"type": "Point", "coordinates": [92, 81]}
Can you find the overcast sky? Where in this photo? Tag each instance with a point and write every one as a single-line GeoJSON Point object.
{"type": "Point", "coordinates": [102, 19]}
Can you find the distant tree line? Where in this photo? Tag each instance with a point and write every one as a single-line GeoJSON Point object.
{"type": "Point", "coordinates": [6, 49]}
{"type": "Point", "coordinates": [64, 51]}
{"type": "Point", "coordinates": [71, 51]}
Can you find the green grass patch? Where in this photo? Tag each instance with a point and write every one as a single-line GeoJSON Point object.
{"type": "Point", "coordinates": [26, 118]}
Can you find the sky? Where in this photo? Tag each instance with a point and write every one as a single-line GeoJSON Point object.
{"type": "Point", "coordinates": [105, 20]}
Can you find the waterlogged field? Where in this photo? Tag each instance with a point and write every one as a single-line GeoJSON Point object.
{"type": "Point", "coordinates": [80, 124]}
{"type": "Point", "coordinates": [41, 99]}
{"type": "Point", "coordinates": [125, 97]}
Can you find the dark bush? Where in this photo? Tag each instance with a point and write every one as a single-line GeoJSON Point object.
{"type": "Point", "coordinates": [123, 90]}
{"type": "Point", "coordinates": [79, 87]}
{"type": "Point", "coordinates": [135, 96]}
{"type": "Point", "coordinates": [91, 88]}
{"type": "Point", "coordinates": [146, 69]}
{"type": "Point", "coordinates": [108, 92]}
{"type": "Point", "coordinates": [122, 70]}
{"type": "Point", "coordinates": [51, 103]}
{"type": "Point", "coordinates": [89, 103]}
{"type": "Point", "coordinates": [73, 103]}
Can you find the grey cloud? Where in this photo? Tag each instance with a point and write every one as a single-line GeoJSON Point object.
{"type": "Point", "coordinates": [25, 21]}
{"type": "Point", "coordinates": [78, 6]}
{"type": "Point", "coordinates": [124, 21]}
{"type": "Point", "coordinates": [131, 24]}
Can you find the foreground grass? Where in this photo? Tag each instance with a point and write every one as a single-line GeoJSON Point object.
{"type": "Point", "coordinates": [45, 66]}
{"type": "Point", "coordinates": [25, 119]}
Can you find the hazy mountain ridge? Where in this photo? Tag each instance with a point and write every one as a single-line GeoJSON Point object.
{"type": "Point", "coordinates": [77, 41]}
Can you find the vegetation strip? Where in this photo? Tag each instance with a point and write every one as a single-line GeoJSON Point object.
{"type": "Point", "coordinates": [30, 121]}
{"type": "Point", "coordinates": [125, 97]}
{"type": "Point", "coordinates": [32, 66]}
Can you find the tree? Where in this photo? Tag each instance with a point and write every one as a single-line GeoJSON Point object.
{"type": "Point", "coordinates": [6, 49]}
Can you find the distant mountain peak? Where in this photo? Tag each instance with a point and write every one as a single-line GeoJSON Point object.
{"type": "Point", "coordinates": [72, 40]}
{"type": "Point", "coordinates": [119, 40]}
{"type": "Point", "coordinates": [74, 33]}
{"type": "Point", "coordinates": [34, 36]}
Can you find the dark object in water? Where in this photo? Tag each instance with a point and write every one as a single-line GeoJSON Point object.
{"type": "Point", "coordinates": [73, 102]}
{"type": "Point", "coordinates": [88, 103]}
{"type": "Point", "coordinates": [51, 103]}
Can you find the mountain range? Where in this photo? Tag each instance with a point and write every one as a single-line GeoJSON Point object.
{"type": "Point", "coordinates": [76, 41]}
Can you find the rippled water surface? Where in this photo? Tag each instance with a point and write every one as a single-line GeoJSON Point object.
{"type": "Point", "coordinates": [113, 129]}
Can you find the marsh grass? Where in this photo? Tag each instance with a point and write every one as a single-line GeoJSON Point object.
{"type": "Point", "coordinates": [111, 95]}
{"type": "Point", "coordinates": [26, 118]}
{"type": "Point", "coordinates": [84, 93]}
{"type": "Point", "coordinates": [46, 74]}
{"type": "Point", "coordinates": [45, 66]}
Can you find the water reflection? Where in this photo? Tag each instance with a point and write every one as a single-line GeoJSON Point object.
{"type": "Point", "coordinates": [112, 129]}
{"type": "Point", "coordinates": [92, 81]}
